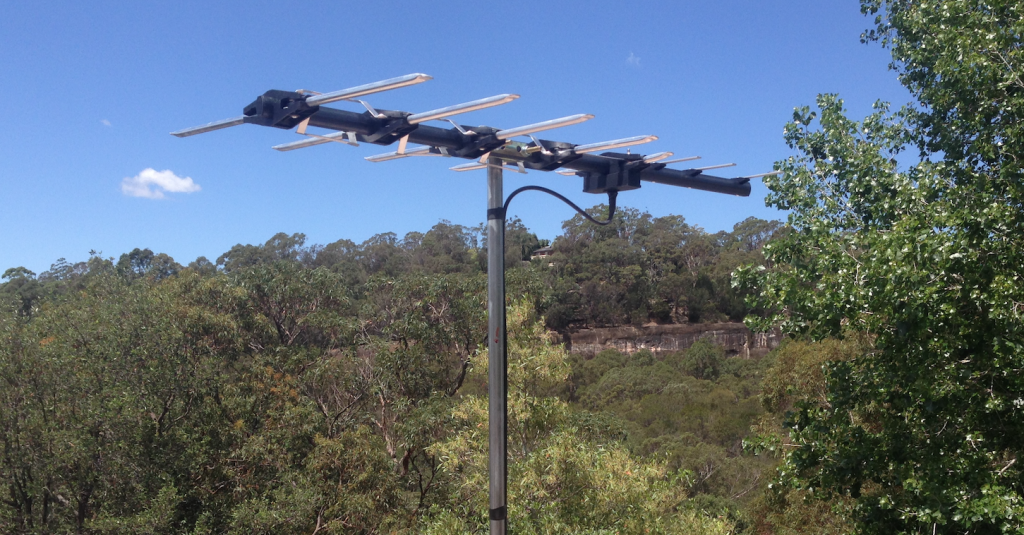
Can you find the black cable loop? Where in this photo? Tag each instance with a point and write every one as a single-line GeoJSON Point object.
{"type": "Point", "coordinates": [500, 513]}
{"type": "Point", "coordinates": [504, 211]}
{"type": "Point", "coordinates": [611, 203]}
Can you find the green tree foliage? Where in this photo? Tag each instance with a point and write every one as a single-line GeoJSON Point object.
{"type": "Point", "coordinates": [640, 268]}
{"type": "Point", "coordinates": [703, 360]}
{"type": "Point", "coordinates": [568, 474]}
{"type": "Point", "coordinates": [520, 243]}
{"type": "Point", "coordinates": [269, 400]}
{"type": "Point", "coordinates": [100, 399]}
{"type": "Point", "coordinates": [293, 388]}
{"type": "Point", "coordinates": [383, 253]}
{"type": "Point", "coordinates": [203, 266]}
{"type": "Point", "coordinates": [341, 257]}
{"type": "Point", "coordinates": [445, 248]}
{"type": "Point", "coordinates": [280, 246]}
{"type": "Point", "coordinates": [693, 409]}
{"type": "Point", "coordinates": [143, 263]}
{"type": "Point", "coordinates": [923, 429]}
{"type": "Point", "coordinates": [21, 290]}
{"type": "Point", "coordinates": [795, 377]}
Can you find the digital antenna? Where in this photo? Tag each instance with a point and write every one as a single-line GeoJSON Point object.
{"type": "Point", "coordinates": [487, 148]}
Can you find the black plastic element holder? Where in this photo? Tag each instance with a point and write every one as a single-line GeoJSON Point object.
{"type": "Point", "coordinates": [623, 174]}
{"type": "Point", "coordinates": [480, 142]}
{"type": "Point", "coordinates": [392, 128]}
{"type": "Point", "coordinates": [280, 109]}
{"type": "Point", "coordinates": [558, 155]}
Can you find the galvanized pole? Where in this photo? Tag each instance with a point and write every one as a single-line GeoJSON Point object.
{"type": "Point", "coordinates": [497, 380]}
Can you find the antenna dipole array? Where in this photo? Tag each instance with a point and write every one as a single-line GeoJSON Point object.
{"type": "Point", "coordinates": [601, 171]}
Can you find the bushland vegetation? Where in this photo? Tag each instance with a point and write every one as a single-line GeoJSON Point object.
{"type": "Point", "coordinates": [342, 388]}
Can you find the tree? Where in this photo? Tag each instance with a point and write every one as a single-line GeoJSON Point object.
{"type": "Point", "coordinates": [703, 360]}
{"type": "Point", "coordinates": [203, 266]}
{"type": "Point", "coordinates": [641, 268]}
{"type": "Point", "coordinates": [135, 264]}
{"type": "Point", "coordinates": [752, 233]}
{"type": "Point", "coordinates": [599, 269]}
{"type": "Point", "coordinates": [568, 473]}
{"type": "Point", "coordinates": [280, 246]}
{"type": "Point", "coordinates": [295, 305]}
{"type": "Point", "coordinates": [22, 289]}
{"type": "Point", "coordinates": [794, 376]}
{"type": "Point", "coordinates": [63, 274]}
{"type": "Point", "coordinates": [103, 394]}
{"type": "Point", "coordinates": [341, 257]}
{"type": "Point", "coordinates": [382, 253]}
{"type": "Point", "coordinates": [445, 248]}
{"type": "Point", "coordinates": [924, 428]}
{"type": "Point", "coordinates": [143, 263]}
{"type": "Point", "coordinates": [669, 236]}
{"type": "Point", "coordinates": [520, 243]}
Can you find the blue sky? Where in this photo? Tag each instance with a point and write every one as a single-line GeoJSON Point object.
{"type": "Point", "coordinates": [92, 90]}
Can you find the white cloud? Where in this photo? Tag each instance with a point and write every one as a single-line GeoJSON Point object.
{"type": "Point", "coordinates": [105, 122]}
{"type": "Point", "coordinates": [152, 184]}
{"type": "Point", "coordinates": [633, 59]}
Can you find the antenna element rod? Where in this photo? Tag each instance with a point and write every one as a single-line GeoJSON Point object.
{"type": "Point", "coordinates": [209, 127]}
{"type": "Point", "coordinates": [546, 125]}
{"type": "Point", "coordinates": [375, 87]}
{"type": "Point", "coordinates": [466, 107]}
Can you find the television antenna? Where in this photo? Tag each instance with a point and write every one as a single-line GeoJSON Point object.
{"type": "Point", "coordinates": [495, 150]}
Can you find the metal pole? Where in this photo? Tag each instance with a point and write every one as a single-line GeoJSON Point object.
{"type": "Point", "coordinates": [497, 380]}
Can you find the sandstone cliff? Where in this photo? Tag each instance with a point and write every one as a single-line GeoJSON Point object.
{"type": "Point", "coordinates": [736, 338]}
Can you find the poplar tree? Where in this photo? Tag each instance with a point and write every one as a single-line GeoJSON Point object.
{"type": "Point", "coordinates": [908, 227]}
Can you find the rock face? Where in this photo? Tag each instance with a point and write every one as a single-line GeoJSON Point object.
{"type": "Point", "coordinates": [736, 338]}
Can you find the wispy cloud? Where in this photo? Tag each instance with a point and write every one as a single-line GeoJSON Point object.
{"type": "Point", "coordinates": [633, 60]}
{"type": "Point", "coordinates": [105, 122]}
{"type": "Point", "coordinates": [151, 184]}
